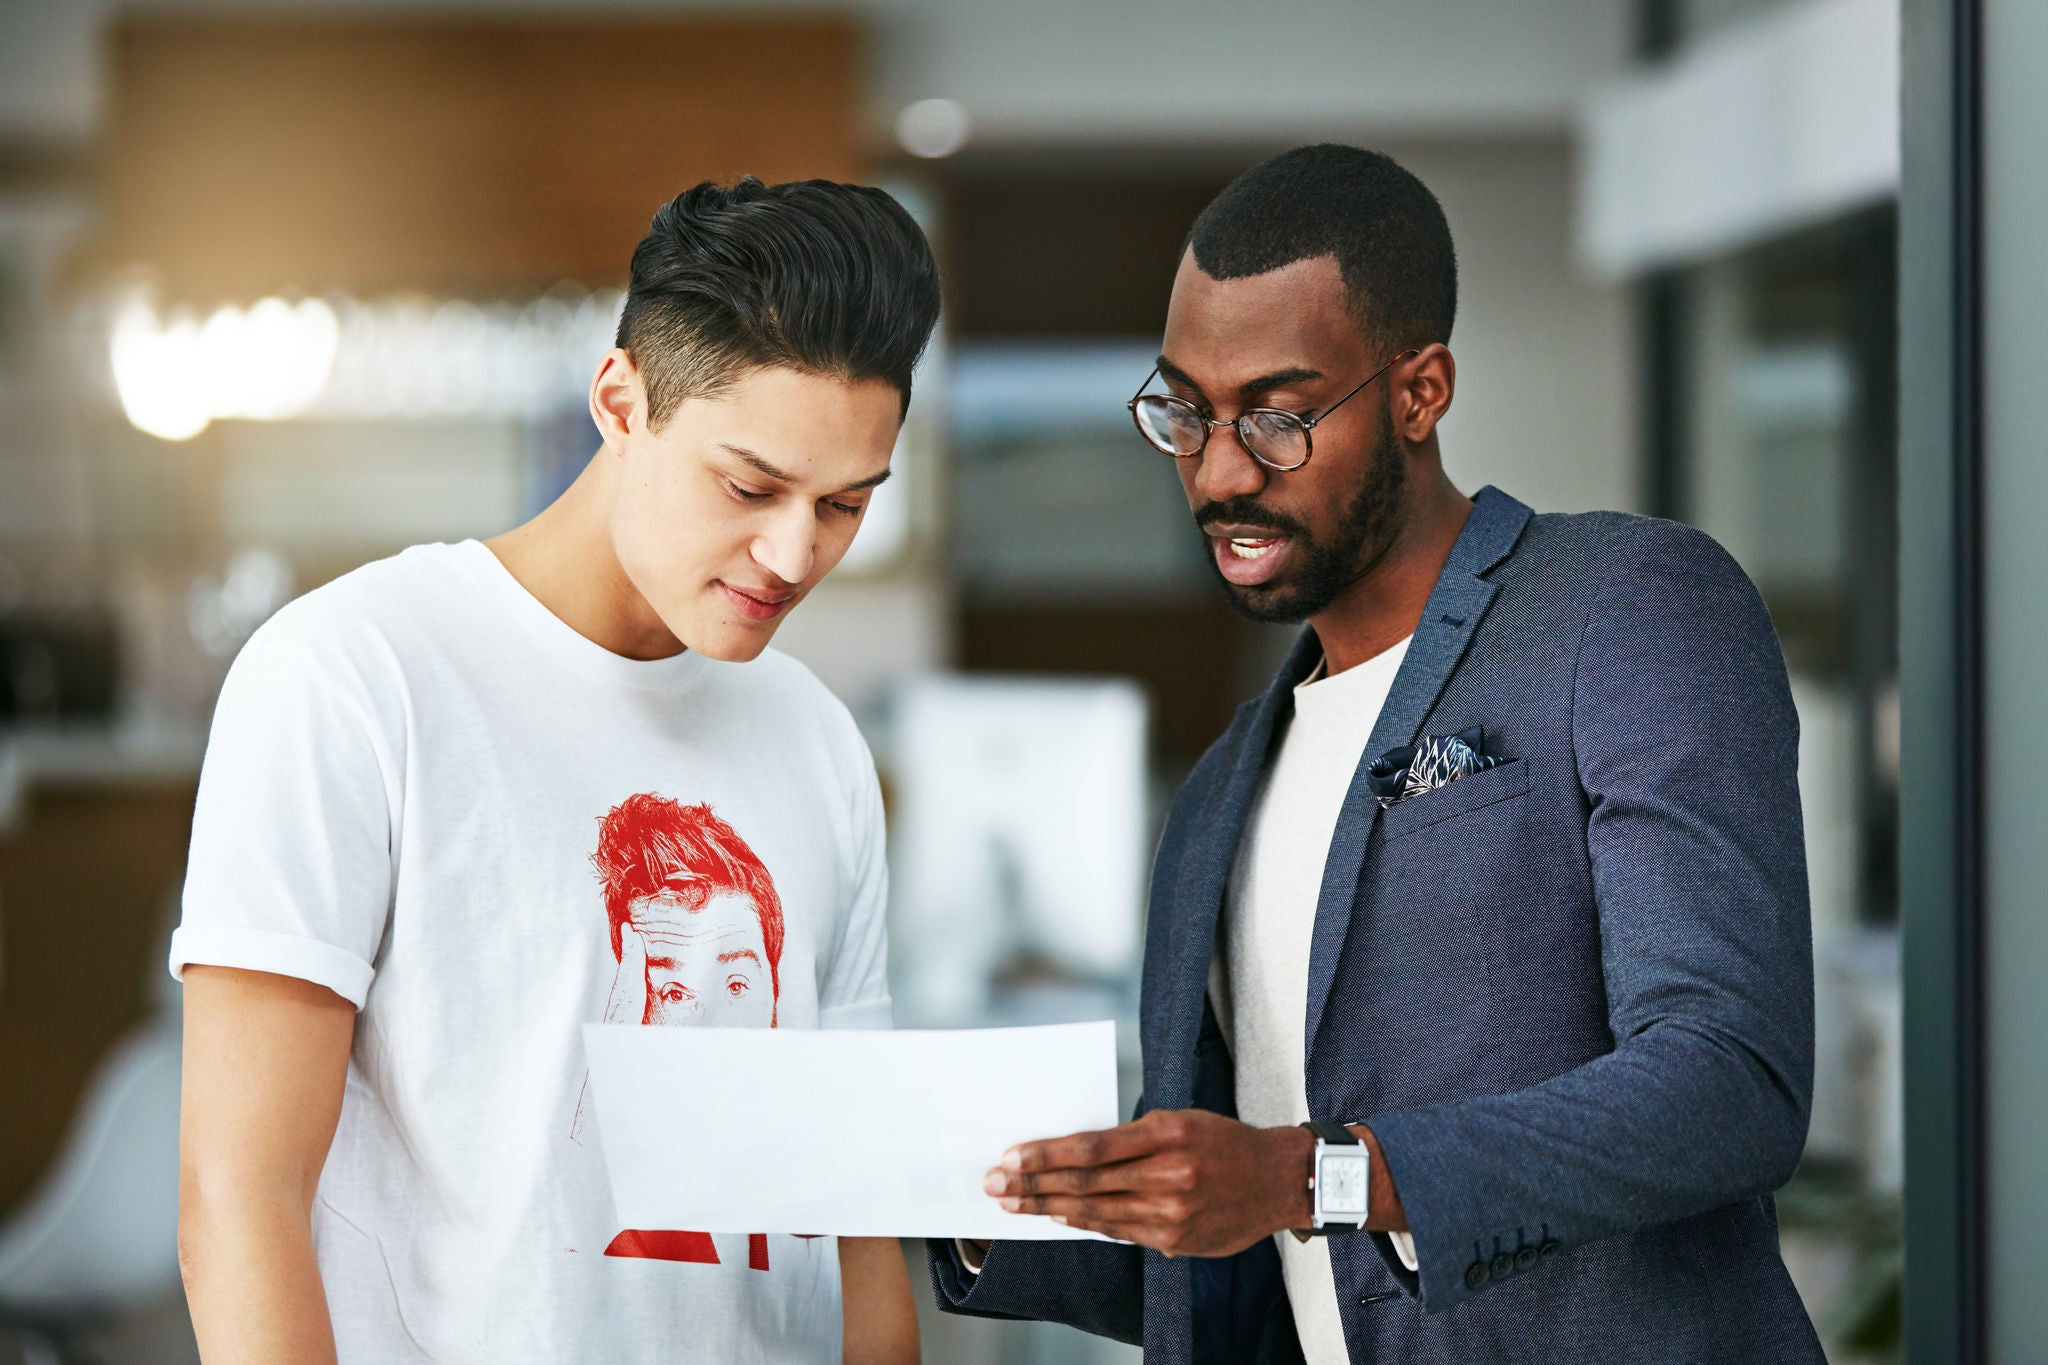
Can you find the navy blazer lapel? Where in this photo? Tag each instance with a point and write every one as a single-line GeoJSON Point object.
{"type": "Point", "coordinates": [1199, 883]}
{"type": "Point", "coordinates": [1456, 606]}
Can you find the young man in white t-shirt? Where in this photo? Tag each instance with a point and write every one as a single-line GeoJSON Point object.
{"type": "Point", "coordinates": [463, 801]}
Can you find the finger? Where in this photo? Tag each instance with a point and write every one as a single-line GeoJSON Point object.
{"type": "Point", "coordinates": [1080, 1209]}
{"type": "Point", "coordinates": [1165, 1237]}
{"type": "Point", "coordinates": [1070, 1180]}
{"type": "Point", "coordinates": [1137, 1233]}
{"type": "Point", "coordinates": [1125, 1142]}
{"type": "Point", "coordinates": [1160, 1172]}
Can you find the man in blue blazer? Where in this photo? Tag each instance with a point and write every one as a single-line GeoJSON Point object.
{"type": "Point", "coordinates": [1478, 946]}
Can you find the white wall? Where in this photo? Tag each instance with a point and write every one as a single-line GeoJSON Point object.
{"type": "Point", "coordinates": [1545, 406]}
{"type": "Point", "coordinates": [1208, 69]}
{"type": "Point", "coordinates": [1775, 123]}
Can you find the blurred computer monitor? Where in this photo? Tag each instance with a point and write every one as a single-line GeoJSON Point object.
{"type": "Point", "coordinates": [1021, 836]}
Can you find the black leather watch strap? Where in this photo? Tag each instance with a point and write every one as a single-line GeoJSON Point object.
{"type": "Point", "coordinates": [1334, 1133]}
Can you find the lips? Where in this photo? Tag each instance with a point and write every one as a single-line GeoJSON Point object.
{"type": "Point", "coordinates": [1251, 557]}
{"type": "Point", "coordinates": [756, 604]}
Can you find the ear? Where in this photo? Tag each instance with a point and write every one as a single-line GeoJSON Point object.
{"type": "Point", "coordinates": [1421, 392]}
{"type": "Point", "coordinates": [618, 398]}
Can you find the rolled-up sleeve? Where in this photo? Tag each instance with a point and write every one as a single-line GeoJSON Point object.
{"type": "Point", "coordinates": [291, 868]}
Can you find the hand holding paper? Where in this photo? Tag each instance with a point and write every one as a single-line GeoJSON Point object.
{"type": "Point", "coordinates": [1182, 1181]}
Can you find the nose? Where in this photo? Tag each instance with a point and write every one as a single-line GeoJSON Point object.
{"type": "Point", "coordinates": [788, 547]}
{"type": "Point", "coordinates": [1224, 470]}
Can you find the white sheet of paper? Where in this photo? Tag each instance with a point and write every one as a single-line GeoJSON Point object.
{"type": "Point", "coordinates": [850, 1133]}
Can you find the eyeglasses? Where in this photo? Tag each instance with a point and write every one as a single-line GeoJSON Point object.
{"type": "Point", "coordinates": [1275, 437]}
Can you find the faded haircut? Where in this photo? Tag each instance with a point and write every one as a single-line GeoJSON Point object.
{"type": "Point", "coordinates": [813, 275]}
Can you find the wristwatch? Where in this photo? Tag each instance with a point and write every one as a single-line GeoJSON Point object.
{"type": "Point", "coordinates": [1339, 1181]}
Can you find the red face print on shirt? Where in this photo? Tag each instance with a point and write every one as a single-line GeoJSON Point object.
{"type": "Point", "coordinates": [696, 925]}
{"type": "Point", "coordinates": [696, 929]}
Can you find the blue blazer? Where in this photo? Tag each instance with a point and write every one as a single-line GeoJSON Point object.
{"type": "Point", "coordinates": [1572, 994]}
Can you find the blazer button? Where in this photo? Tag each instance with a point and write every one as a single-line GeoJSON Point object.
{"type": "Point", "coordinates": [1525, 1259]}
{"type": "Point", "coordinates": [1503, 1266]}
{"type": "Point", "coordinates": [1476, 1275]}
{"type": "Point", "coordinates": [1548, 1251]}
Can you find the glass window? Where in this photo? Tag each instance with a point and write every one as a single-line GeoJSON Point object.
{"type": "Point", "coordinates": [1788, 390]}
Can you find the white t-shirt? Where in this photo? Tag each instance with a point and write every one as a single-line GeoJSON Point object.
{"type": "Point", "coordinates": [1259, 979]}
{"type": "Point", "coordinates": [429, 794]}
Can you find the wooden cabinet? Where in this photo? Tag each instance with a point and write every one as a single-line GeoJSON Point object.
{"type": "Point", "coordinates": [454, 155]}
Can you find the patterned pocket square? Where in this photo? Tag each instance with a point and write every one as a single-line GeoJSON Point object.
{"type": "Point", "coordinates": [1427, 764]}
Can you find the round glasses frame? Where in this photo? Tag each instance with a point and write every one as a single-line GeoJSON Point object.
{"type": "Point", "coordinates": [1281, 416]}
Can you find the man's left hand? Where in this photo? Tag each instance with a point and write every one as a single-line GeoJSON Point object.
{"type": "Point", "coordinates": [1182, 1181]}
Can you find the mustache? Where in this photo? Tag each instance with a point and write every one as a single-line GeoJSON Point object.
{"type": "Point", "coordinates": [1245, 512]}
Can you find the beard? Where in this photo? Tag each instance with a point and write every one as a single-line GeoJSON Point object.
{"type": "Point", "coordinates": [1328, 566]}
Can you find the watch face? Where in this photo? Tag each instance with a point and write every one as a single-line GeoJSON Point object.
{"type": "Point", "coordinates": [1341, 1185]}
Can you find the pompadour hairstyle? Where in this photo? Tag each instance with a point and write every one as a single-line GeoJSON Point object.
{"type": "Point", "coordinates": [1383, 226]}
{"type": "Point", "coordinates": [812, 275]}
{"type": "Point", "coordinates": [649, 846]}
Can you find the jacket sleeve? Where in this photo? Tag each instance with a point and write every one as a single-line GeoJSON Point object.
{"type": "Point", "coordinates": [1687, 750]}
{"type": "Point", "coordinates": [1095, 1286]}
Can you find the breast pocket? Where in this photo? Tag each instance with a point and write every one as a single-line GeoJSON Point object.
{"type": "Point", "coordinates": [1502, 782]}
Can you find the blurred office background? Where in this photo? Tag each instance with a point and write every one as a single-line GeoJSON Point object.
{"type": "Point", "coordinates": [287, 286]}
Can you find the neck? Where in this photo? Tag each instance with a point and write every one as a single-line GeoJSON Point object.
{"type": "Point", "coordinates": [1384, 606]}
{"type": "Point", "coordinates": [566, 559]}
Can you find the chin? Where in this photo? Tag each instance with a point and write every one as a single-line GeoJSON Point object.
{"type": "Point", "coordinates": [731, 646]}
{"type": "Point", "coordinates": [707, 627]}
{"type": "Point", "coordinates": [1269, 606]}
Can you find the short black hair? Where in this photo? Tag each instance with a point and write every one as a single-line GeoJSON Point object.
{"type": "Point", "coordinates": [1383, 226]}
{"type": "Point", "coordinates": [811, 275]}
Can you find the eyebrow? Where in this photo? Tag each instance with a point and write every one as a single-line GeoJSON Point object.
{"type": "Point", "coordinates": [738, 953]}
{"type": "Point", "coordinates": [748, 457]}
{"type": "Point", "coordinates": [1265, 383]}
